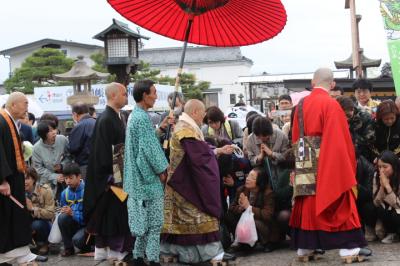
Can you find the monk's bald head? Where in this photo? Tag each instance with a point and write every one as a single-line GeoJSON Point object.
{"type": "Point", "coordinates": [17, 105]}
{"type": "Point", "coordinates": [193, 105]}
{"type": "Point", "coordinates": [196, 110]}
{"type": "Point", "coordinates": [14, 98]}
{"type": "Point", "coordinates": [116, 94]}
{"type": "Point", "coordinates": [323, 77]}
{"type": "Point", "coordinates": [113, 88]}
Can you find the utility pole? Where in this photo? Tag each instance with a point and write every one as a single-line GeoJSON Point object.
{"type": "Point", "coordinates": [355, 36]}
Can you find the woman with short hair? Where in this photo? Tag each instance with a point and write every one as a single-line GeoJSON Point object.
{"type": "Point", "coordinates": [50, 153]}
{"type": "Point", "coordinates": [217, 126]}
{"type": "Point", "coordinates": [257, 195]}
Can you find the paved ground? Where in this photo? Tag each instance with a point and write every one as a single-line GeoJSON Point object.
{"type": "Point", "coordinates": [384, 255]}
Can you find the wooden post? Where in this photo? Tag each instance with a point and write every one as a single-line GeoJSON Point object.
{"type": "Point", "coordinates": [355, 36]}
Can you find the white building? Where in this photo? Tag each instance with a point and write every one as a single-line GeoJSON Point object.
{"type": "Point", "coordinates": [263, 91]}
{"type": "Point", "coordinates": [219, 65]}
{"type": "Point", "coordinates": [18, 54]}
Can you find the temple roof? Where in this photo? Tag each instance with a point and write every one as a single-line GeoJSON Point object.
{"type": "Point", "coordinates": [118, 25]}
{"type": "Point", "coordinates": [80, 71]}
{"type": "Point", "coordinates": [194, 55]}
{"type": "Point", "coordinates": [365, 61]}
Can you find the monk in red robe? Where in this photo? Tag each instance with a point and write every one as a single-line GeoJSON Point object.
{"type": "Point", "coordinates": [328, 219]}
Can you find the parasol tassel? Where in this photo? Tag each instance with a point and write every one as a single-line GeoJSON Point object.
{"type": "Point", "coordinates": [16, 201]}
{"type": "Point", "coordinates": [88, 239]}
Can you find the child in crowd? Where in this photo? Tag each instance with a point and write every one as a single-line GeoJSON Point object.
{"type": "Point", "coordinates": [70, 221]}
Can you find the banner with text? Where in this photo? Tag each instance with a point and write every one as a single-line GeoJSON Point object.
{"type": "Point", "coordinates": [390, 10]}
{"type": "Point", "coordinates": [55, 98]}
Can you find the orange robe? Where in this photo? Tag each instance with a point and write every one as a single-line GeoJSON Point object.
{"type": "Point", "coordinates": [333, 207]}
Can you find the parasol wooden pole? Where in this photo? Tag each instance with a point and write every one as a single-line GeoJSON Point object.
{"type": "Point", "coordinates": [177, 80]}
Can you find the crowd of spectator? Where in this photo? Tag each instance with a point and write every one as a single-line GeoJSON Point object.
{"type": "Point", "coordinates": [261, 178]}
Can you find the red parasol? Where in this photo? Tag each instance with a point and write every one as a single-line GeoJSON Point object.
{"type": "Point", "coordinates": [215, 22]}
{"type": "Point", "coordinates": [206, 22]}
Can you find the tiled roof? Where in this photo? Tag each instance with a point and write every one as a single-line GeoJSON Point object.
{"type": "Point", "coordinates": [46, 42]}
{"type": "Point", "coordinates": [200, 54]}
{"type": "Point", "coordinates": [120, 26]}
{"type": "Point", "coordinates": [158, 56]}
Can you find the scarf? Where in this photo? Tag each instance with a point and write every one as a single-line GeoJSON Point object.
{"type": "Point", "coordinates": [186, 118]}
{"type": "Point", "coordinates": [17, 143]}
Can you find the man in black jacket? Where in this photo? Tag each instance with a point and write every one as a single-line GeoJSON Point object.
{"type": "Point", "coordinates": [80, 136]}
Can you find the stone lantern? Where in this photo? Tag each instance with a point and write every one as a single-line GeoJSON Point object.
{"type": "Point", "coordinates": [81, 75]}
{"type": "Point", "coordinates": [121, 46]}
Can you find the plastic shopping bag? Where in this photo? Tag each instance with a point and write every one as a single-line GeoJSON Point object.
{"type": "Point", "coordinates": [246, 232]}
{"type": "Point", "coordinates": [55, 233]}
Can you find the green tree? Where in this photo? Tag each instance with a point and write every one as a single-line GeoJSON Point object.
{"type": "Point", "coordinates": [198, 90]}
{"type": "Point", "coordinates": [99, 62]}
{"type": "Point", "coordinates": [145, 72]}
{"type": "Point", "coordinates": [37, 70]}
{"type": "Point", "coordinates": [191, 88]}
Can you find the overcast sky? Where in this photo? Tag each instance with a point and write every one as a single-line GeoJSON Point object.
{"type": "Point", "coordinates": [317, 31]}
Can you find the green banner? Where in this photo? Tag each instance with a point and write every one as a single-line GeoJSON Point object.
{"type": "Point", "coordinates": [390, 10]}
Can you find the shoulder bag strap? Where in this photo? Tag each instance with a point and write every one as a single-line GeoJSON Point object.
{"type": "Point", "coordinates": [300, 117]}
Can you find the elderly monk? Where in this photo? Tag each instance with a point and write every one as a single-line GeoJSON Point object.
{"type": "Point", "coordinates": [192, 195]}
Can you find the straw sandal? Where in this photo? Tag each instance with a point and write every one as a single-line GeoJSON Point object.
{"type": "Point", "coordinates": [315, 255]}
{"type": "Point", "coordinates": [360, 257]}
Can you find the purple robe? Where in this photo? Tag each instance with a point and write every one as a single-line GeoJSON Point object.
{"type": "Point", "coordinates": [196, 179]}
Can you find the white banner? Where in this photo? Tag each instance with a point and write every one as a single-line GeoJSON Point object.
{"type": "Point", "coordinates": [52, 99]}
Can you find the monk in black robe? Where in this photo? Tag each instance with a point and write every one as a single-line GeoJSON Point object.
{"type": "Point", "coordinates": [15, 221]}
{"type": "Point", "coordinates": [106, 215]}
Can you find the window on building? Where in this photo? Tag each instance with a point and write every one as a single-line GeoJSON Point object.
{"type": "Point", "coordinates": [232, 98]}
{"type": "Point", "coordinates": [65, 52]}
{"type": "Point", "coordinates": [211, 99]}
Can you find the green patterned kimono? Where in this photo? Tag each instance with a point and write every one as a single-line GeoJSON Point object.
{"type": "Point", "coordinates": [144, 161]}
